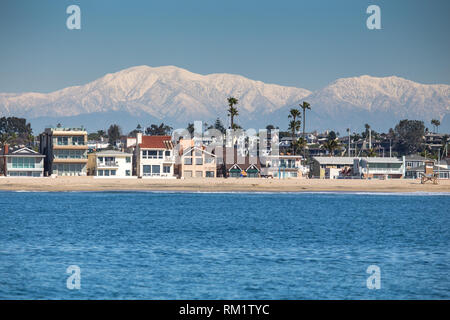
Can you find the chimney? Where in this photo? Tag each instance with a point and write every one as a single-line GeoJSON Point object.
{"type": "Point", "coordinates": [138, 138]}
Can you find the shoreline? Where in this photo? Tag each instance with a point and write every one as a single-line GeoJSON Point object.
{"type": "Point", "coordinates": [61, 184]}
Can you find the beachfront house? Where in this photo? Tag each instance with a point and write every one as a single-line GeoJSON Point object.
{"type": "Point", "coordinates": [236, 162]}
{"type": "Point", "coordinates": [154, 156]}
{"type": "Point", "coordinates": [194, 161]}
{"type": "Point", "coordinates": [442, 170]}
{"type": "Point", "coordinates": [284, 166]}
{"type": "Point", "coordinates": [22, 162]}
{"type": "Point", "coordinates": [65, 151]}
{"type": "Point", "coordinates": [331, 167]}
{"type": "Point", "coordinates": [110, 163]}
{"type": "Point", "coordinates": [379, 167]}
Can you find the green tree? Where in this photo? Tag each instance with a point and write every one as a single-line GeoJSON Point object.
{"type": "Point", "coordinates": [190, 128]}
{"type": "Point", "coordinates": [16, 130]}
{"type": "Point", "coordinates": [305, 106]}
{"type": "Point", "coordinates": [294, 125]}
{"type": "Point", "coordinates": [300, 144]}
{"type": "Point", "coordinates": [114, 133]}
{"type": "Point", "coordinates": [218, 125]}
{"type": "Point", "coordinates": [331, 145]}
{"type": "Point", "coordinates": [232, 111]}
{"type": "Point", "coordinates": [409, 136]}
{"type": "Point", "coordinates": [371, 152]}
{"type": "Point", "coordinates": [436, 123]}
{"type": "Point", "coordinates": [158, 130]}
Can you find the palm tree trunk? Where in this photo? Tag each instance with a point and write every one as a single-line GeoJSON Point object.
{"type": "Point", "coordinates": [304, 115]}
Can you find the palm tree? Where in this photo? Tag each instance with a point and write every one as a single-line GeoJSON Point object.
{"type": "Point", "coordinates": [371, 152]}
{"type": "Point", "coordinates": [232, 111]}
{"type": "Point", "coordinates": [300, 143]}
{"type": "Point", "coordinates": [436, 123]}
{"type": "Point", "coordinates": [331, 145]}
{"type": "Point", "coordinates": [294, 125]}
{"type": "Point", "coordinates": [305, 106]}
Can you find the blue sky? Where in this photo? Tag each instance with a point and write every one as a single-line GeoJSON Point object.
{"type": "Point", "coordinates": [305, 44]}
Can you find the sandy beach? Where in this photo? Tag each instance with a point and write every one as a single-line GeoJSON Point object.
{"type": "Point", "coordinates": [218, 185]}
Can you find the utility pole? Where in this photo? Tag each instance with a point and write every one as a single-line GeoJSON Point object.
{"type": "Point", "coordinates": [348, 130]}
{"type": "Point", "coordinates": [390, 148]}
{"type": "Point", "coordinates": [439, 163]}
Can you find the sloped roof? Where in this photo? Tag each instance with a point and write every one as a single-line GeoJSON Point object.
{"type": "Point", "coordinates": [156, 142]}
{"type": "Point", "coordinates": [23, 152]}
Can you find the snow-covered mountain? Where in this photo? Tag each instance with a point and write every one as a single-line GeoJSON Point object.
{"type": "Point", "coordinates": [168, 94]}
{"type": "Point", "coordinates": [176, 96]}
{"type": "Point", "coordinates": [381, 102]}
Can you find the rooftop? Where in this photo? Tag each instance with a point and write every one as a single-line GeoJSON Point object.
{"type": "Point", "coordinates": [112, 153]}
{"type": "Point", "coordinates": [156, 142]}
{"type": "Point", "coordinates": [334, 160]}
{"type": "Point", "coordinates": [382, 160]}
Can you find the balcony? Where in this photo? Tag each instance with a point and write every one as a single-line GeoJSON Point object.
{"type": "Point", "coordinates": [169, 158]}
{"type": "Point", "coordinates": [383, 170]}
{"type": "Point", "coordinates": [108, 164]}
{"type": "Point", "coordinates": [158, 175]}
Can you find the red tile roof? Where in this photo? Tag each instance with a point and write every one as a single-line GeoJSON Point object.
{"type": "Point", "coordinates": [154, 142]}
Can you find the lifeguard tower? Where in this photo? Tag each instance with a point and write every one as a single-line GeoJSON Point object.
{"type": "Point", "coordinates": [429, 174]}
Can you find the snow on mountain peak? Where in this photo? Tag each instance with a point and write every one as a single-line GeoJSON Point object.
{"type": "Point", "coordinates": [175, 95]}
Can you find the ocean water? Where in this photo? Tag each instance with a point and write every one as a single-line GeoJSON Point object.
{"type": "Point", "coordinates": [173, 245]}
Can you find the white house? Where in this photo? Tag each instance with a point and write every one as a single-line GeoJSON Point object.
{"type": "Point", "coordinates": [284, 166]}
{"type": "Point", "coordinates": [379, 167]}
{"type": "Point", "coordinates": [155, 156]}
{"type": "Point", "coordinates": [110, 163]}
{"type": "Point", "coordinates": [23, 162]}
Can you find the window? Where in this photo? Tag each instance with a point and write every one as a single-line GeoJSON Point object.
{"type": "Point", "coordinates": [23, 163]}
{"type": "Point", "coordinates": [128, 159]}
{"type": "Point", "coordinates": [152, 154]}
{"type": "Point", "coordinates": [62, 141]}
{"type": "Point", "coordinates": [78, 141]}
{"type": "Point", "coordinates": [156, 169]}
{"type": "Point", "coordinates": [188, 161]}
{"type": "Point", "coordinates": [144, 154]}
{"type": "Point", "coordinates": [187, 174]}
{"type": "Point", "coordinates": [100, 173]}
{"type": "Point", "coordinates": [160, 154]}
{"type": "Point", "coordinates": [166, 169]}
{"type": "Point", "coordinates": [198, 174]}
{"type": "Point", "coordinates": [113, 172]}
{"type": "Point", "coordinates": [127, 173]}
{"type": "Point", "coordinates": [210, 174]}
{"type": "Point", "coordinates": [147, 170]}
{"type": "Point", "coordinates": [199, 161]}
{"type": "Point", "coordinates": [71, 154]}
{"type": "Point", "coordinates": [167, 153]}
{"type": "Point", "coordinates": [107, 173]}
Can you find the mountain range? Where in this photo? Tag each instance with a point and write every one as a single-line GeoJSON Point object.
{"type": "Point", "coordinates": [176, 96]}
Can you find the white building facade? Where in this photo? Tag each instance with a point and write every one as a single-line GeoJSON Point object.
{"type": "Point", "coordinates": [155, 157]}
{"type": "Point", "coordinates": [110, 163]}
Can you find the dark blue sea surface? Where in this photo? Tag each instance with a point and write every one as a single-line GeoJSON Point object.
{"type": "Point", "coordinates": [163, 245]}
